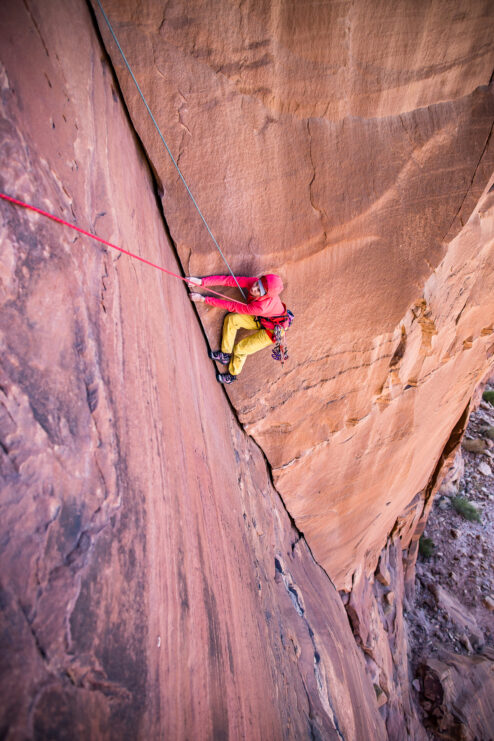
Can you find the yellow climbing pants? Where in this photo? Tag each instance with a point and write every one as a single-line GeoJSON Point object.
{"type": "Point", "coordinates": [249, 345]}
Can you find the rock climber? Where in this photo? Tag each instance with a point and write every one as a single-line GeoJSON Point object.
{"type": "Point", "coordinates": [264, 312]}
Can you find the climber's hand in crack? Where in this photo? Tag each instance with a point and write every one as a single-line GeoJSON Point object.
{"type": "Point", "coordinates": [193, 281]}
{"type": "Point", "coordinates": [196, 298]}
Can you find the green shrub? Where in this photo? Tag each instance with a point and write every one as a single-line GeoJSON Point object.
{"type": "Point", "coordinates": [465, 508]}
{"type": "Point", "coordinates": [488, 396]}
{"type": "Point", "coordinates": [426, 547]}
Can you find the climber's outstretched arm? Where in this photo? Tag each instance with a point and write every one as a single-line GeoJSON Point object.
{"type": "Point", "coordinates": [223, 280]}
{"type": "Point", "coordinates": [253, 307]}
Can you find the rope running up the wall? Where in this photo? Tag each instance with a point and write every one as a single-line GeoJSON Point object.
{"type": "Point", "coordinates": [166, 145]}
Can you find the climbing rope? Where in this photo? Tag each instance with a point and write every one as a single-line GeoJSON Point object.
{"type": "Point", "coordinates": [16, 202]}
{"type": "Point", "coordinates": [166, 145]}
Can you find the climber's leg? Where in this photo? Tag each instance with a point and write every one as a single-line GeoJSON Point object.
{"type": "Point", "coordinates": [249, 345]}
{"type": "Point", "coordinates": [231, 323]}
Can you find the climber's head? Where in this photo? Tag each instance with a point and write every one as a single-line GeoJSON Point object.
{"type": "Point", "coordinates": [267, 285]}
{"type": "Point", "coordinates": [257, 289]}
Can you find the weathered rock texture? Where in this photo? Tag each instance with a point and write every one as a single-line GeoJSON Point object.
{"type": "Point", "coordinates": [458, 691]}
{"type": "Point", "coordinates": [343, 145]}
{"type": "Point", "coordinates": [152, 582]}
{"type": "Point", "coordinates": [152, 585]}
{"type": "Point", "coordinates": [450, 613]}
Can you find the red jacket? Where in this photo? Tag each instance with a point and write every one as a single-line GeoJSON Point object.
{"type": "Point", "coordinates": [267, 305]}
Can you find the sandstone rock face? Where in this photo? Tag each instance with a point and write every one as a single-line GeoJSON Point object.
{"type": "Point", "coordinates": [344, 146]}
{"type": "Point", "coordinates": [152, 584]}
{"type": "Point", "coordinates": [449, 684]}
{"type": "Point", "coordinates": [375, 610]}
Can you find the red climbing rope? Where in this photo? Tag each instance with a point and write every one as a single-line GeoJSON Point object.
{"type": "Point", "coordinates": [99, 239]}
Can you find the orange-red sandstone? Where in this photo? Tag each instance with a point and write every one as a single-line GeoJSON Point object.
{"type": "Point", "coordinates": [343, 146]}
{"type": "Point", "coordinates": [151, 582]}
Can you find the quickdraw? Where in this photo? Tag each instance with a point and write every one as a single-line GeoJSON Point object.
{"type": "Point", "coordinates": [278, 326]}
{"type": "Point", "coordinates": [280, 350]}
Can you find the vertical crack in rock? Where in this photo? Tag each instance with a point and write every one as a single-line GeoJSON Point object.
{"type": "Point", "coordinates": [92, 386]}
{"type": "Point", "coordinates": [400, 350]}
{"type": "Point", "coordinates": [297, 601]}
{"type": "Point", "coordinates": [174, 248]}
{"type": "Point", "coordinates": [39, 648]}
{"type": "Point", "coordinates": [323, 690]}
{"type": "Point", "coordinates": [104, 277]}
{"type": "Point", "coordinates": [428, 495]}
{"type": "Point", "coordinates": [36, 26]}
{"type": "Point", "coordinates": [316, 208]}
{"type": "Point", "coordinates": [484, 148]}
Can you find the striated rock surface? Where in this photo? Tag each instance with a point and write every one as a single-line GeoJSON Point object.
{"type": "Point", "coordinates": [345, 146]}
{"type": "Point", "coordinates": [457, 690]}
{"type": "Point", "coordinates": [152, 581]}
{"type": "Point", "coordinates": [366, 186]}
{"type": "Point", "coordinates": [152, 584]}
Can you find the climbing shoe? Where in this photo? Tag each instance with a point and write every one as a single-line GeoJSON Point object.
{"type": "Point", "coordinates": [221, 357]}
{"type": "Point", "coordinates": [226, 378]}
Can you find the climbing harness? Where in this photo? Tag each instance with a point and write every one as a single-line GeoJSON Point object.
{"type": "Point", "coordinates": [166, 145]}
{"type": "Point", "coordinates": [277, 326]}
{"type": "Point", "coordinates": [16, 202]}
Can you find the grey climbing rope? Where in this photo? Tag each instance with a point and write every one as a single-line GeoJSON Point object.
{"type": "Point", "coordinates": [166, 145]}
